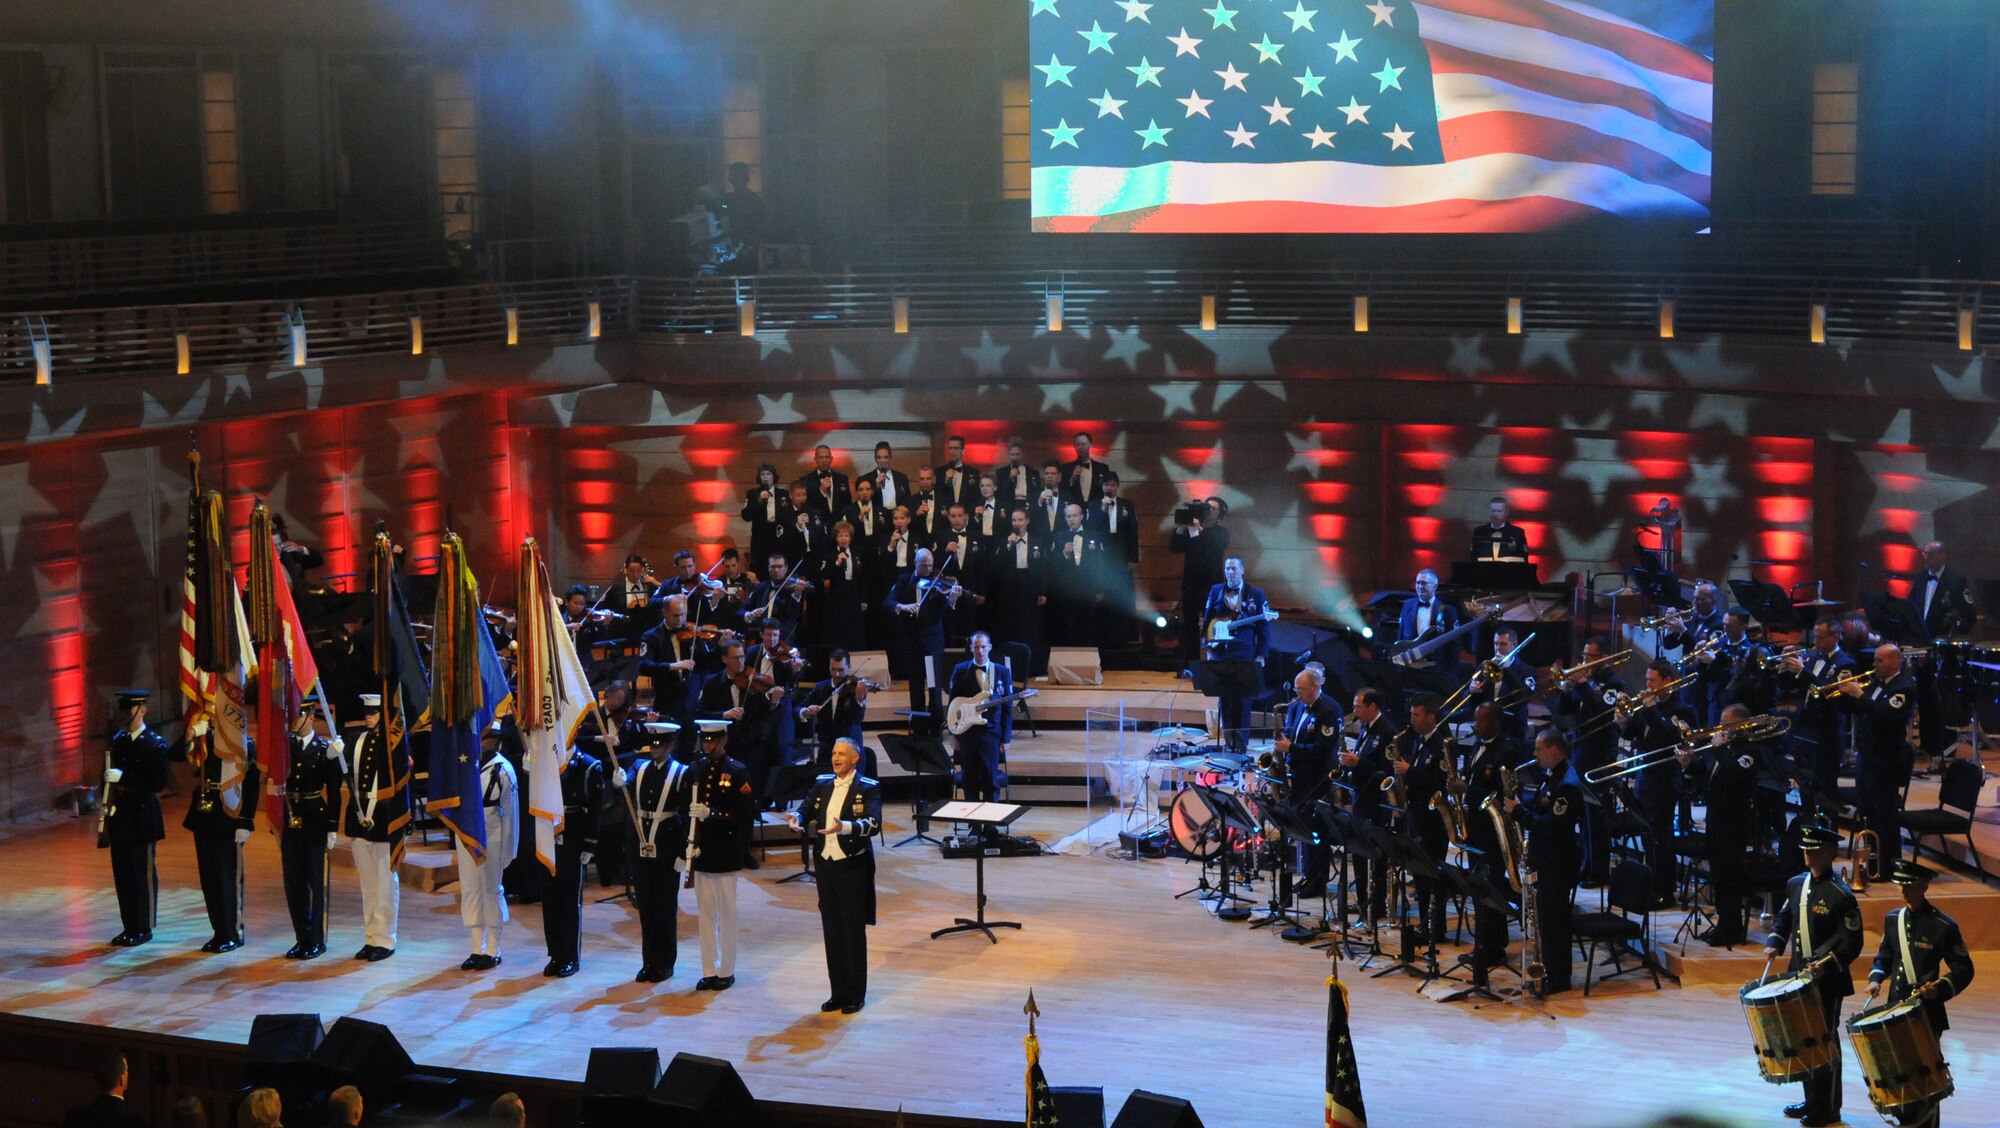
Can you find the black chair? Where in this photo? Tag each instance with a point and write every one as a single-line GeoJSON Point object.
{"type": "Point", "coordinates": [1630, 918]}
{"type": "Point", "coordinates": [1957, 792]}
{"type": "Point", "coordinates": [1019, 659]}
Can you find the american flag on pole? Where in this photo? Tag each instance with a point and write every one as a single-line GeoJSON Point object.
{"type": "Point", "coordinates": [1385, 116]}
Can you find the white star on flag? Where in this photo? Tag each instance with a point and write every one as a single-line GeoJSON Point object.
{"type": "Point", "coordinates": [1355, 111]}
{"type": "Point", "coordinates": [1232, 78]}
{"type": "Point", "coordinates": [1384, 13]}
{"type": "Point", "coordinates": [1320, 137]}
{"type": "Point", "coordinates": [1343, 48]}
{"type": "Point", "coordinates": [1399, 138]}
{"type": "Point", "coordinates": [1134, 10]}
{"type": "Point", "coordinates": [1195, 103]}
{"type": "Point", "coordinates": [1279, 112]}
{"type": "Point", "coordinates": [1240, 137]}
{"type": "Point", "coordinates": [1184, 44]}
{"type": "Point", "coordinates": [1107, 106]}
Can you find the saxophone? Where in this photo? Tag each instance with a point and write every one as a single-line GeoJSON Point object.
{"type": "Point", "coordinates": [1494, 806]}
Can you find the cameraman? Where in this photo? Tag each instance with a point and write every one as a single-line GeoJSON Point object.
{"type": "Point", "coordinates": [1200, 538]}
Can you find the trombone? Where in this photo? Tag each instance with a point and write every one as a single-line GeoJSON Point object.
{"type": "Point", "coordinates": [1764, 726]}
{"type": "Point", "coordinates": [1624, 705]}
{"type": "Point", "coordinates": [1489, 671]}
{"type": "Point", "coordinates": [1833, 689]}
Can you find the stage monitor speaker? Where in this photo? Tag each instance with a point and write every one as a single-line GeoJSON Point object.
{"type": "Point", "coordinates": [1075, 665]}
{"type": "Point", "coordinates": [704, 1092]}
{"type": "Point", "coordinates": [1153, 1110]}
{"type": "Point", "coordinates": [617, 1083]}
{"type": "Point", "coordinates": [365, 1055]}
{"type": "Point", "coordinates": [280, 1054]}
{"type": "Point", "coordinates": [1078, 1106]}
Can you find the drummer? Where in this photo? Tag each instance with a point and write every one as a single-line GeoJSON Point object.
{"type": "Point", "coordinates": [1820, 926]}
{"type": "Point", "coordinates": [1922, 954]}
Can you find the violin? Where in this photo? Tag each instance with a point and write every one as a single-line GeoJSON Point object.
{"type": "Point", "coordinates": [755, 683]}
{"type": "Point", "coordinates": [706, 632]}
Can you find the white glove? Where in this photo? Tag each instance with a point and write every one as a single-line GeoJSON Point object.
{"type": "Point", "coordinates": [113, 775]}
{"type": "Point", "coordinates": [584, 858]}
{"type": "Point", "coordinates": [332, 839]}
{"type": "Point", "coordinates": [698, 810]}
{"type": "Point", "coordinates": [335, 748]}
{"type": "Point", "coordinates": [199, 728]}
{"type": "Point", "coordinates": [242, 836]}
{"type": "Point", "coordinates": [619, 778]}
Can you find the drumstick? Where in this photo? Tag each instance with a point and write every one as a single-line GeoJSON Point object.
{"type": "Point", "coordinates": [1766, 973]}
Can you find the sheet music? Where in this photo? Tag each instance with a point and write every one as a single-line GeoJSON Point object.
{"type": "Point", "coordinates": [961, 811]}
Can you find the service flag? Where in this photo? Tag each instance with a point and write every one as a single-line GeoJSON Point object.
{"type": "Point", "coordinates": [553, 698]}
{"type": "Point", "coordinates": [1397, 115]}
{"type": "Point", "coordinates": [218, 720]}
{"type": "Point", "coordinates": [468, 689]}
{"type": "Point", "coordinates": [286, 671]}
{"type": "Point", "coordinates": [1343, 1076]}
{"type": "Point", "coordinates": [1041, 1102]}
{"type": "Point", "coordinates": [399, 669]}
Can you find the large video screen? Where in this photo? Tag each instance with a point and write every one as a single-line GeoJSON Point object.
{"type": "Point", "coordinates": [1378, 116]}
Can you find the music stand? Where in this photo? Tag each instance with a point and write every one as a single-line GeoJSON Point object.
{"type": "Point", "coordinates": [1233, 818]}
{"type": "Point", "coordinates": [987, 817]}
{"type": "Point", "coordinates": [1408, 861]}
{"type": "Point", "coordinates": [1465, 882]}
{"type": "Point", "coordinates": [1229, 677]}
{"type": "Point", "coordinates": [1294, 829]}
{"type": "Point", "coordinates": [1495, 575]}
{"type": "Point", "coordinates": [793, 783]}
{"type": "Point", "coordinates": [915, 754]}
{"type": "Point", "coordinates": [1896, 620]}
{"type": "Point", "coordinates": [1769, 604]}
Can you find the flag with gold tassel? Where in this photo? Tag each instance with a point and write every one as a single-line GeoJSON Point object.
{"type": "Point", "coordinates": [554, 697]}
{"type": "Point", "coordinates": [1041, 1102]}
{"type": "Point", "coordinates": [286, 671]}
{"type": "Point", "coordinates": [398, 666]}
{"type": "Point", "coordinates": [468, 689]}
{"type": "Point", "coordinates": [219, 719]}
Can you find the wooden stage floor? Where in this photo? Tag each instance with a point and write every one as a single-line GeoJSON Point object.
{"type": "Point", "coordinates": [1136, 989]}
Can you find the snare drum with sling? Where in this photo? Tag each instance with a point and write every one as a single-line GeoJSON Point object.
{"type": "Point", "coordinates": [1788, 1027]}
{"type": "Point", "coordinates": [1900, 1058]}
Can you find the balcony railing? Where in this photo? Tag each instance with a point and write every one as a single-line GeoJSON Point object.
{"type": "Point", "coordinates": [1920, 312]}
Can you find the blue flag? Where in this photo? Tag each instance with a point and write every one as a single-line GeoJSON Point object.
{"type": "Point", "coordinates": [454, 785]}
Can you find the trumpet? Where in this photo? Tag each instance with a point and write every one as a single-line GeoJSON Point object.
{"type": "Point", "coordinates": [1671, 620]}
{"type": "Point", "coordinates": [1829, 689]}
{"type": "Point", "coordinates": [1705, 647]}
{"type": "Point", "coordinates": [1765, 663]}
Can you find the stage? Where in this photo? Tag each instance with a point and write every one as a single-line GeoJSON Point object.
{"type": "Point", "coordinates": [1136, 989]}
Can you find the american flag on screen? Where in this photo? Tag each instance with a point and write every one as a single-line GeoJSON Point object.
{"type": "Point", "coordinates": [1386, 115]}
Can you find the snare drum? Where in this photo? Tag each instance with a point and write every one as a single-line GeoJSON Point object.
{"type": "Point", "coordinates": [1787, 1027]}
{"type": "Point", "coordinates": [1900, 1058]}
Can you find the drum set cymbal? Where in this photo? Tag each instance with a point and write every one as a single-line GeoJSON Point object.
{"type": "Point", "coordinates": [1180, 734]}
{"type": "Point", "coordinates": [1213, 760]}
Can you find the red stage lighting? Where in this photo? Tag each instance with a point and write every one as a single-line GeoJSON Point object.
{"type": "Point", "coordinates": [1325, 493]}
{"type": "Point", "coordinates": [1328, 526]}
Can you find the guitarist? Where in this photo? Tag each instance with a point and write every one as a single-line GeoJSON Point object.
{"type": "Point", "coordinates": [1230, 601]}
{"type": "Point", "coordinates": [1426, 617]}
{"type": "Point", "coordinates": [982, 747]}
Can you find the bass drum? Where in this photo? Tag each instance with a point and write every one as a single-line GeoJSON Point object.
{"type": "Point", "coordinates": [1195, 826]}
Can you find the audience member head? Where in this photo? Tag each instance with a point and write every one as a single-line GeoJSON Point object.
{"type": "Point", "coordinates": [261, 1109]}
{"type": "Point", "coordinates": [343, 1107]}
{"type": "Point", "coordinates": [187, 1112]}
{"type": "Point", "coordinates": [111, 1073]}
{"type": "Point", "coordinates": [507, 1111]}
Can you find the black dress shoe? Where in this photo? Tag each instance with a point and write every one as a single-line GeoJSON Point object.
{"type": "Point", "coordinates": [705, 983]}
{"type": "Point", "coordinates": [831, 1005]}
{"type": "Point", "coordinates": [214, 944]}
{"type": "Point", "coordinates": [1718, 940]}
{"type": "Point", "coordinates": [312, 953]}
{"type": "Point", "coordinates": [850, 1008]}
{"type": "Point", "coordinates": [650, 974]}
{"type": "Point", "coordinates": [1796, 1111]}
{"type": "Point", "coordinates": [292, 952]}
{"type": "Point", "coordinates": [139, 938]}
{"type": "Point", "coordinates": [723, 983]}
{"type": "Point", "coordinates": [750, 862]}
{"type": "Point", "coordinates": [470, 963]}
{"type": "Point", "coordinates": [560, 970]}
{"type": "Point", "coordinates": [377, 955]}
{"type": "Point", "coordinates": [1556, 989]}
{"type": "Point", "coordinates": [1819, 1120]}
{"type": "Point", "coordinates": [122, 940]}
{"type": "Point", "coordinates": [367, 952]}
{"type": "Point", "coordinates": [229, 945]}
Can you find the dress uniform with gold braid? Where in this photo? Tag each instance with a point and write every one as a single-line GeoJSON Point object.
{"type": "Point", "coordinates": [722, 811]}
{"type": "Point", "coordinates": [1920, 946]}
{"type": "Point", "coordinates": [136, 771]}
{"type": "Point", "coordinates": [374, 819]}
{"type": "Point", "coordinates": [844, 863]}
{"type": "Point", "coordinates": [660, 794]}
{"type": "Point", "coordinates": [1820, 921]}
{"type": "Point", "coordinates": [312, 790]}
{"type": "Point", "coordinates": [562, 906]}
{"type": "Point", "coordinates": [219, 834]}
{"type": "Point", "coordinates": [1553, 814]}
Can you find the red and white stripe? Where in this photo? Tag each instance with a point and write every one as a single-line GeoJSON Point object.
{"type": "Point", "coordinates": [1549, 111]}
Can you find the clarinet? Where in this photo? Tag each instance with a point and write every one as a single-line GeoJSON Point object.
{"type": "Point", "coordinates": [1532, 967]}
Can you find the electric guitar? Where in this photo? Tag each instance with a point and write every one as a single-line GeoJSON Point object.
{"type": "Point", "coordinates": [962, 714]}
{"type": "Point", "coordinates": [1223, 631]}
